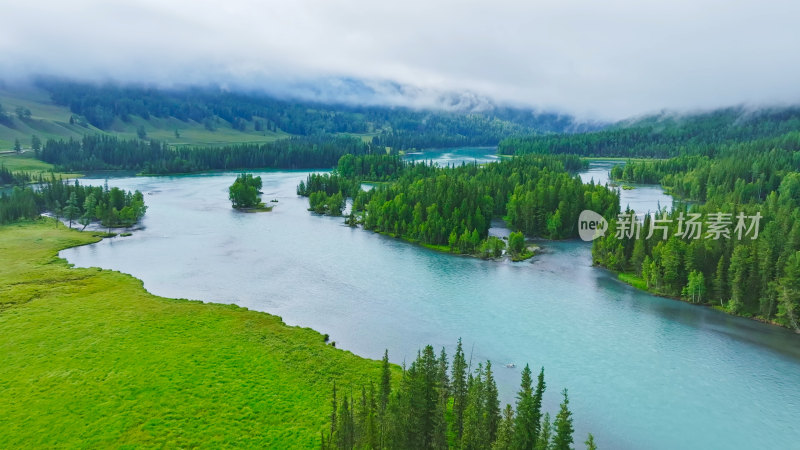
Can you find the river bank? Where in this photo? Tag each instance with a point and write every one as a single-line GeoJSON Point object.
{"type": "Point", "coordinates": [370, 292]}
{"type": "Point", "coordinates": [122, 367]}
{"type": "Point", "coordinates": [638, 283]}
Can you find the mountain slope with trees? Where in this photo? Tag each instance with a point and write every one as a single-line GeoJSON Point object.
{"type": "Point", "coordinates": [59, 109]}
{"type": "Point", "coordinates": [665, 135]}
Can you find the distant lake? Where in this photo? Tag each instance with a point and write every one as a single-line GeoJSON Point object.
{"type": "Point", "coordinates": [642, 371]}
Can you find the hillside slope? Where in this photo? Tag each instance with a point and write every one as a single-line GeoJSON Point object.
{"type": "Point", "coordinates": [50, 108]}
{"type": "Point", "coordinates": [49, 120]}
{"type": "Point", "coordinates": [666, 135]}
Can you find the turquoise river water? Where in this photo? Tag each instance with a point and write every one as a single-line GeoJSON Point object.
{"type": "Point", "coordinates": [642, 371]}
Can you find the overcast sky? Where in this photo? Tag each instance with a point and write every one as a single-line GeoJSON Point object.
{"type": "Point", "coordinates": [600, 59]}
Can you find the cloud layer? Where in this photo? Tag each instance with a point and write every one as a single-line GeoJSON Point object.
{"type": "Point", "coordinates": [607, 60]}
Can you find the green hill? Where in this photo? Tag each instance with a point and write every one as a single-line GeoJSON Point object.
{"type": "Point", "coordinates": [666, 135]}
{"type": "Point", "coordinates": [49, 120]}
{"type": "Point", "coordinates": [53, 109]}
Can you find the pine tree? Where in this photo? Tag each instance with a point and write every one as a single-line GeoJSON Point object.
{"type": "Point", "coordinates": [543, 441]}
{"type": "Point", "coordinates": [71, 209]}
{"type": "Point", "coordinates": [371, 439]}
{"type": "Point", "coordinates": [361, 417]}
{"type": "Point", "coordinates": [334, 405]}
{"type": "Point", "coordinates": [720, 281]}
{"type": "Point", "coordinates": [459, 388]}
{"type": "Point", "coordinates": [443, 385]}
{"type": "Point", "coordinates": [738, 270]}
{"type": "Point", "coordinates": [475, 434]}
{"type": "Point", "coordinates": [590, 445]}
{"type": "Point", "coordinates": [524, 428]}
{"type": "Point", "coordinates": [563, 426]}
{"type": "Point", "coordinates": [344, 437]}
{"type": "Point", "coordinates": [492, 403]}
{"type": "Point", "coordinates": [36, 144]}
{"type": "Point", "coordinates": [425, 398]}
{"type": "Point", "coordinates": [537, 403]}
{"type": "Point", "coordinates": [505, 431]}
{"type": "Point", "coordinates": [789, 292]}
{"type": "Point", "coordinates": [386, 382]}
{"type": "Point", "coordinates": [57, 211]}
{"type": "Point", "coordinates": [384, 390]}
{"type": "Point", "coordinates": [444, 382]}
{"type": "Point", "coordinates": [638, 255]}
{"type": "Point", "coordinates": [89, 205]}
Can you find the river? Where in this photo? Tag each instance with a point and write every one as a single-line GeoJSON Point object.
{"type": "Point", "coordinates": [642, 371]}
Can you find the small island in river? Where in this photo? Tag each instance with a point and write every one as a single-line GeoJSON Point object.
{"type": "Point", "coordinates": [245, 192]}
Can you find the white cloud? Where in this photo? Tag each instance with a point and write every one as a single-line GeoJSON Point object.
{"type": "Point", "coordinates": [599, 59]}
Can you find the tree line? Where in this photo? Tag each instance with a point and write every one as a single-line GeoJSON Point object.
{"type": "Point", "coordinates": [751, 277]}
{"type": "Point", "coordinates": [452, 207]}
{"type": "Point", "coordinates": [664, 136]}
{"type": "Point", "coordinates": [397, 127]}
{"type": "Point", "coordinates": [370, 167]}
{"type": "Point", "coordinates": [102, 152]}
{"type": "Point", "coordinates": [439, 405]}
{"type": "Point", "coordinates": [75, 202]}
{"type": "Point", "coordinates": [18, 178]}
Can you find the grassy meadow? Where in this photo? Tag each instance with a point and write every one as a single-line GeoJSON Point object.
{"type": "Point", "coordinates": [25, 162]}
{"type": "Point", "coordinates": [90, 359]}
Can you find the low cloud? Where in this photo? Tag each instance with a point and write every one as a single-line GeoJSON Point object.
{"type": "Point", "coordinates": [605, 60]}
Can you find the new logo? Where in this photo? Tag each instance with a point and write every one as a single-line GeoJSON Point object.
{"type": "Point", "coordinates": [591, 225]}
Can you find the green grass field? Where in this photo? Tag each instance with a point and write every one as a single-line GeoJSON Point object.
{"type": "Point", "coordinates": [27, 163]}
{"type": "Point", "coordinates": [90, 359]}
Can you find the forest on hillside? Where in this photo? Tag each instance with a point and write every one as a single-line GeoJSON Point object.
{"type": "Point", "coordinates": [396, 127]}
{"type": "Point", "coordinates": [665, 136]}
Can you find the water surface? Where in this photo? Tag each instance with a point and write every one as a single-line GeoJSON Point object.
{"type": "Point", "coordinates": [642, 371]}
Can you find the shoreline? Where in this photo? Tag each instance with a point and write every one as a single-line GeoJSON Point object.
{"type": "Point", "coordinates": [636, 282]}
{"type": "Point", "coordinates": [628, 279]}
{"type": "Point", "coordinates": [532, 249]}
{"type": "Point", "coordinates": [279, 371]}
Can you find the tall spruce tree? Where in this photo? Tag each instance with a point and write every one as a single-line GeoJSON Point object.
{"type": "Point", "coordinates": [334, 405]}
{"type": "Point", "coordinates": [459, 390]}
{"type": "Point", "coordinates": [371, 439]}
{"type": "Point", "coordinates": [505, 431]}
{"type": "Point", "coordinates": [71, 210]}
{"type": "Point", "coordinates": [344, 437]}
{"type": "Point", "coordinates": [545, 435]}
{"type": "Point", "coordinates": [384, 391]}
{"type": "Point", "coordinates": [536, 409]}
{"type": "Point", "coordinates": [443, 386]}
{"type": "Point", "coordinates": [475, 434]}
{"type": "Point", "coordinates": [524, 426]}
{"type": "Point", "coordinates": [492, 409]}
{"type": "Point", "coordinates": [386, 383]}
{"type": "Point", "coordinates": [563, 426]}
